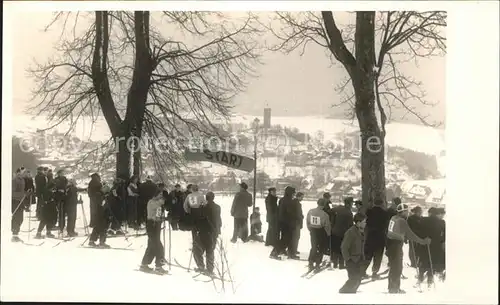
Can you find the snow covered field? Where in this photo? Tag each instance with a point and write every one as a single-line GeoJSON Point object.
{"type": "Point", "coordinates": [71, 273]}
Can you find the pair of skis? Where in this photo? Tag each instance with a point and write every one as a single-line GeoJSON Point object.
{"type": "Point", "coordinates": [312, 272]}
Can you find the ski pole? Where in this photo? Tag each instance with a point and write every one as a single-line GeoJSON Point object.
{"type": "Point", "coordinates": [19, 205]}
{"type": "Point", "coordinates": [430, 264]}
{"type": "Point", "coordinates": [85, 223]}
{"type": "Point", "coordinates": [169, 246]}
{"type": "Point", "coordinates": [29, 220]}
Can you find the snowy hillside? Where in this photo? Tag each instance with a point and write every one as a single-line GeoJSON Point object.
{"type": "Point", "coordinates": [68, 272]}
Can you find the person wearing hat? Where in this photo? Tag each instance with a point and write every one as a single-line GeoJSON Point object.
{"type": "Point", "coordinates": [40, 189]}
{"type": "Point", "coordinates": [95, 196]}
{"type": "Point", "coordinates": [352, 251]}
{"type": "Point", "coordinates": [433, 227]}
{"type": "Point", "coordinates": [298, 216]}
{"type": "Point", "coordinates": [177, 210]}
{"type": "Point", "coordinates": [18, 195]}
{"type": "Point", "coordinates": [358, 204]}
{"type": "Point", "coordinates": [272, 235]}
{"type": "Point", "coordinates": [29, 188]}
{"type": "Point", "coordinates": [397, 232]}
{"type": "Point", "coordinates": [342, 221]}
{"type": "Point", "coordinates": [207, 226]}
{"type": "Point", "coordinates": [146, 192]}
{"type": "Point", "coordinates": [414, 222]}
{"type": "Point", "coordinates": [318, 224]}
{"type": "Point", "coordinates": [239, 210]}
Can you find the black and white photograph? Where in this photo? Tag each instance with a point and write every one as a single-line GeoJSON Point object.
{"type": "Point", "coordinates": [253, 152]}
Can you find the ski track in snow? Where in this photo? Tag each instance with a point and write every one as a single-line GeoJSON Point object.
{"type": "Point", "coordinates": [70, 273]}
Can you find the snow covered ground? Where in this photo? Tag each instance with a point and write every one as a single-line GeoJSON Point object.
{"type": "Point", "coordinates": [68, 272]}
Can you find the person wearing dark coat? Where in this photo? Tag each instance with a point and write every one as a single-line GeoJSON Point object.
{"type": "Point", "coordinates": [352, 252]}
{"type": "Point", "coordinates": [18, 195]}
{"type": "Point", "coordinates": [29, 188]}
{"type": "Point", "coordinates": [207, 227]}
{"type": "Point", "coordinates": [286, 221]}
{"type": "Point", "coordinates": [414, 221]}
{"type": "Point", "coordinates": [272, 235]}
{"type": "Point", "coordinates": [239, 210]}
{"type": "Point", "coordinates": [101, 222]}
{"type": "Point", "coordinates": [48, 211]}
{"type": "Point", "coordinates": [115, 208]}
{"type": "Point", "coordinates": [377, 220]}
{"type": "Point", "coordinates": [433, 227]}
{"type": "Point", "coordinates": [61, 185]}
{"type": "Point", "coordinates": [132, 198]}
{"type": "Point", "coordinates": [95, 197]}
{"type": "Point", "coordinates": [185, 220]}
{"type": "Point", "coordinates": [176, 209]}
{"type": "Point", "coordinates": [40, 189]}
{"type": "Point", "coordinates": [298, 216]}
{"type": "Point", "coordinates": [342, 221]}
{"type": "Point", "coordinates": [70, 208]}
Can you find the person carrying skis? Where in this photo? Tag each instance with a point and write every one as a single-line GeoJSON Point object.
{"type": "Point", "coordinates": [155, 249]}
{"type": "Point", "coordinates": [318, 224]}
{"type": "Point", "coordinates": [398, 230]}
{"type": "Point", "coordinates": [353, 254]}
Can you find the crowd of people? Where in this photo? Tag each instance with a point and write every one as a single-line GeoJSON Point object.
{"type": "Point", "coordinates": [350, 241]}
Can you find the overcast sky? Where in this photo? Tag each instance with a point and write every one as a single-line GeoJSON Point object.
{"type": "Point", "coordinates": [290, 84]}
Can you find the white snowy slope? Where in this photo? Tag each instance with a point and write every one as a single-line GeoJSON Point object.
{"type": "Point", "coordinates": [70, 273]}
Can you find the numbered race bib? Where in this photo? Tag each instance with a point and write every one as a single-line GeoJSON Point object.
{"type": "Point", "coordinates": [193, 202]}
{"type": "Point", "coordinates": [315, 220]}
{"type": "Point", "coordinates": [158, 212]}
{"type": "Point", "coordinates": [391, 226]}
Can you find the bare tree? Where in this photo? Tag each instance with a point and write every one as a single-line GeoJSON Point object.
{"type": "Point", "coordinates": [163, 78]}
{"type": "Point", "coordinates": [370, 50]}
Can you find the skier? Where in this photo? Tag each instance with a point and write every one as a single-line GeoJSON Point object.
{"type": "Point", "coordinates": [18, 196]}
{"type": "Point", "coordinates": [286, 222]}
{"type": "Point", "coordinates": [272, 235]}
{"type": "Point", "coordinates": [177, 209]}
{"type": "Point", "coordinates": [146, 192]}
{"type": "Point", "coordinates": [50, 174]}
{"type": "Point", "coordinates": [342, 221]}
{"type": "Point", "coordinates": [61, 184]}
{"type": "Point", "coordinates": [239, 210]}
{"type": "Point", "coordinates": [48, 211]}
{"type": "Point", "coordinates": [29, 189]}
{"type": "Point", "coordinates": [397, 232]}
{"type": "Point", "coordinates": [95, 197]}
{"type": "Point", "coordinates": [256, 226]}
{"type": "Point", "coordinates": [353, 254]}
{"type": "Point", "coordinates": [132, 208]}
{"type": "Point", "coordinates": [193, 206]}
{"type": "Point", "coordinates": [375, 235]}
{"type": "Point", "coordinates": [101, 217]}
{"type": "Point", "coordinates": [70, 208]}
{"type": "Point", "coordinates": [358, 204]}
{"type": "Point", "coordinates": [40, 189]}
{"type": "Point", "coordinates": [318, 224]}
{"type": "Point", "coordinates": [115, 208]}
{"type": "Point", "coordinates": [298, 216]}
{"type": "Point", "coordinates": [433, 227]}
{"type": "Point", "coordinates": [155, 249]}
{"type": "Point", "coordinates": [414, 222]}
{"type": "Point", "coordinates": [207, 225]}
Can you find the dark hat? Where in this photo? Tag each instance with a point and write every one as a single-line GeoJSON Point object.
{"type": "Point", "coordinates": [431, 211]}
{"type": "Point", "coordinates": [327, 195]}
{"type": "Point", "coordinates": [271, 189]}
{"type": "Point", "coordinates": [358, 202]}
{"type": "Point", "coordinates": [299, 194]}
{"type": "Point", "coordinates": [416, 209]}
{"type": "Point", "coordinates": [440, 211]}
{"type": "Point", "coordinates": [348, 200]}
{"type": "Point", "coordinates": [45, 168]}
{"type": "Point", "coordinates": [243, 185]}
{"type": "Point", "coordinates": [177, 185]}
{"type": "Point", "coordinates": [40, 168]}
{"type": "Point", "coordinates": [396, 200]}
{"type": "Point", "coordinates": [94, 175]}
